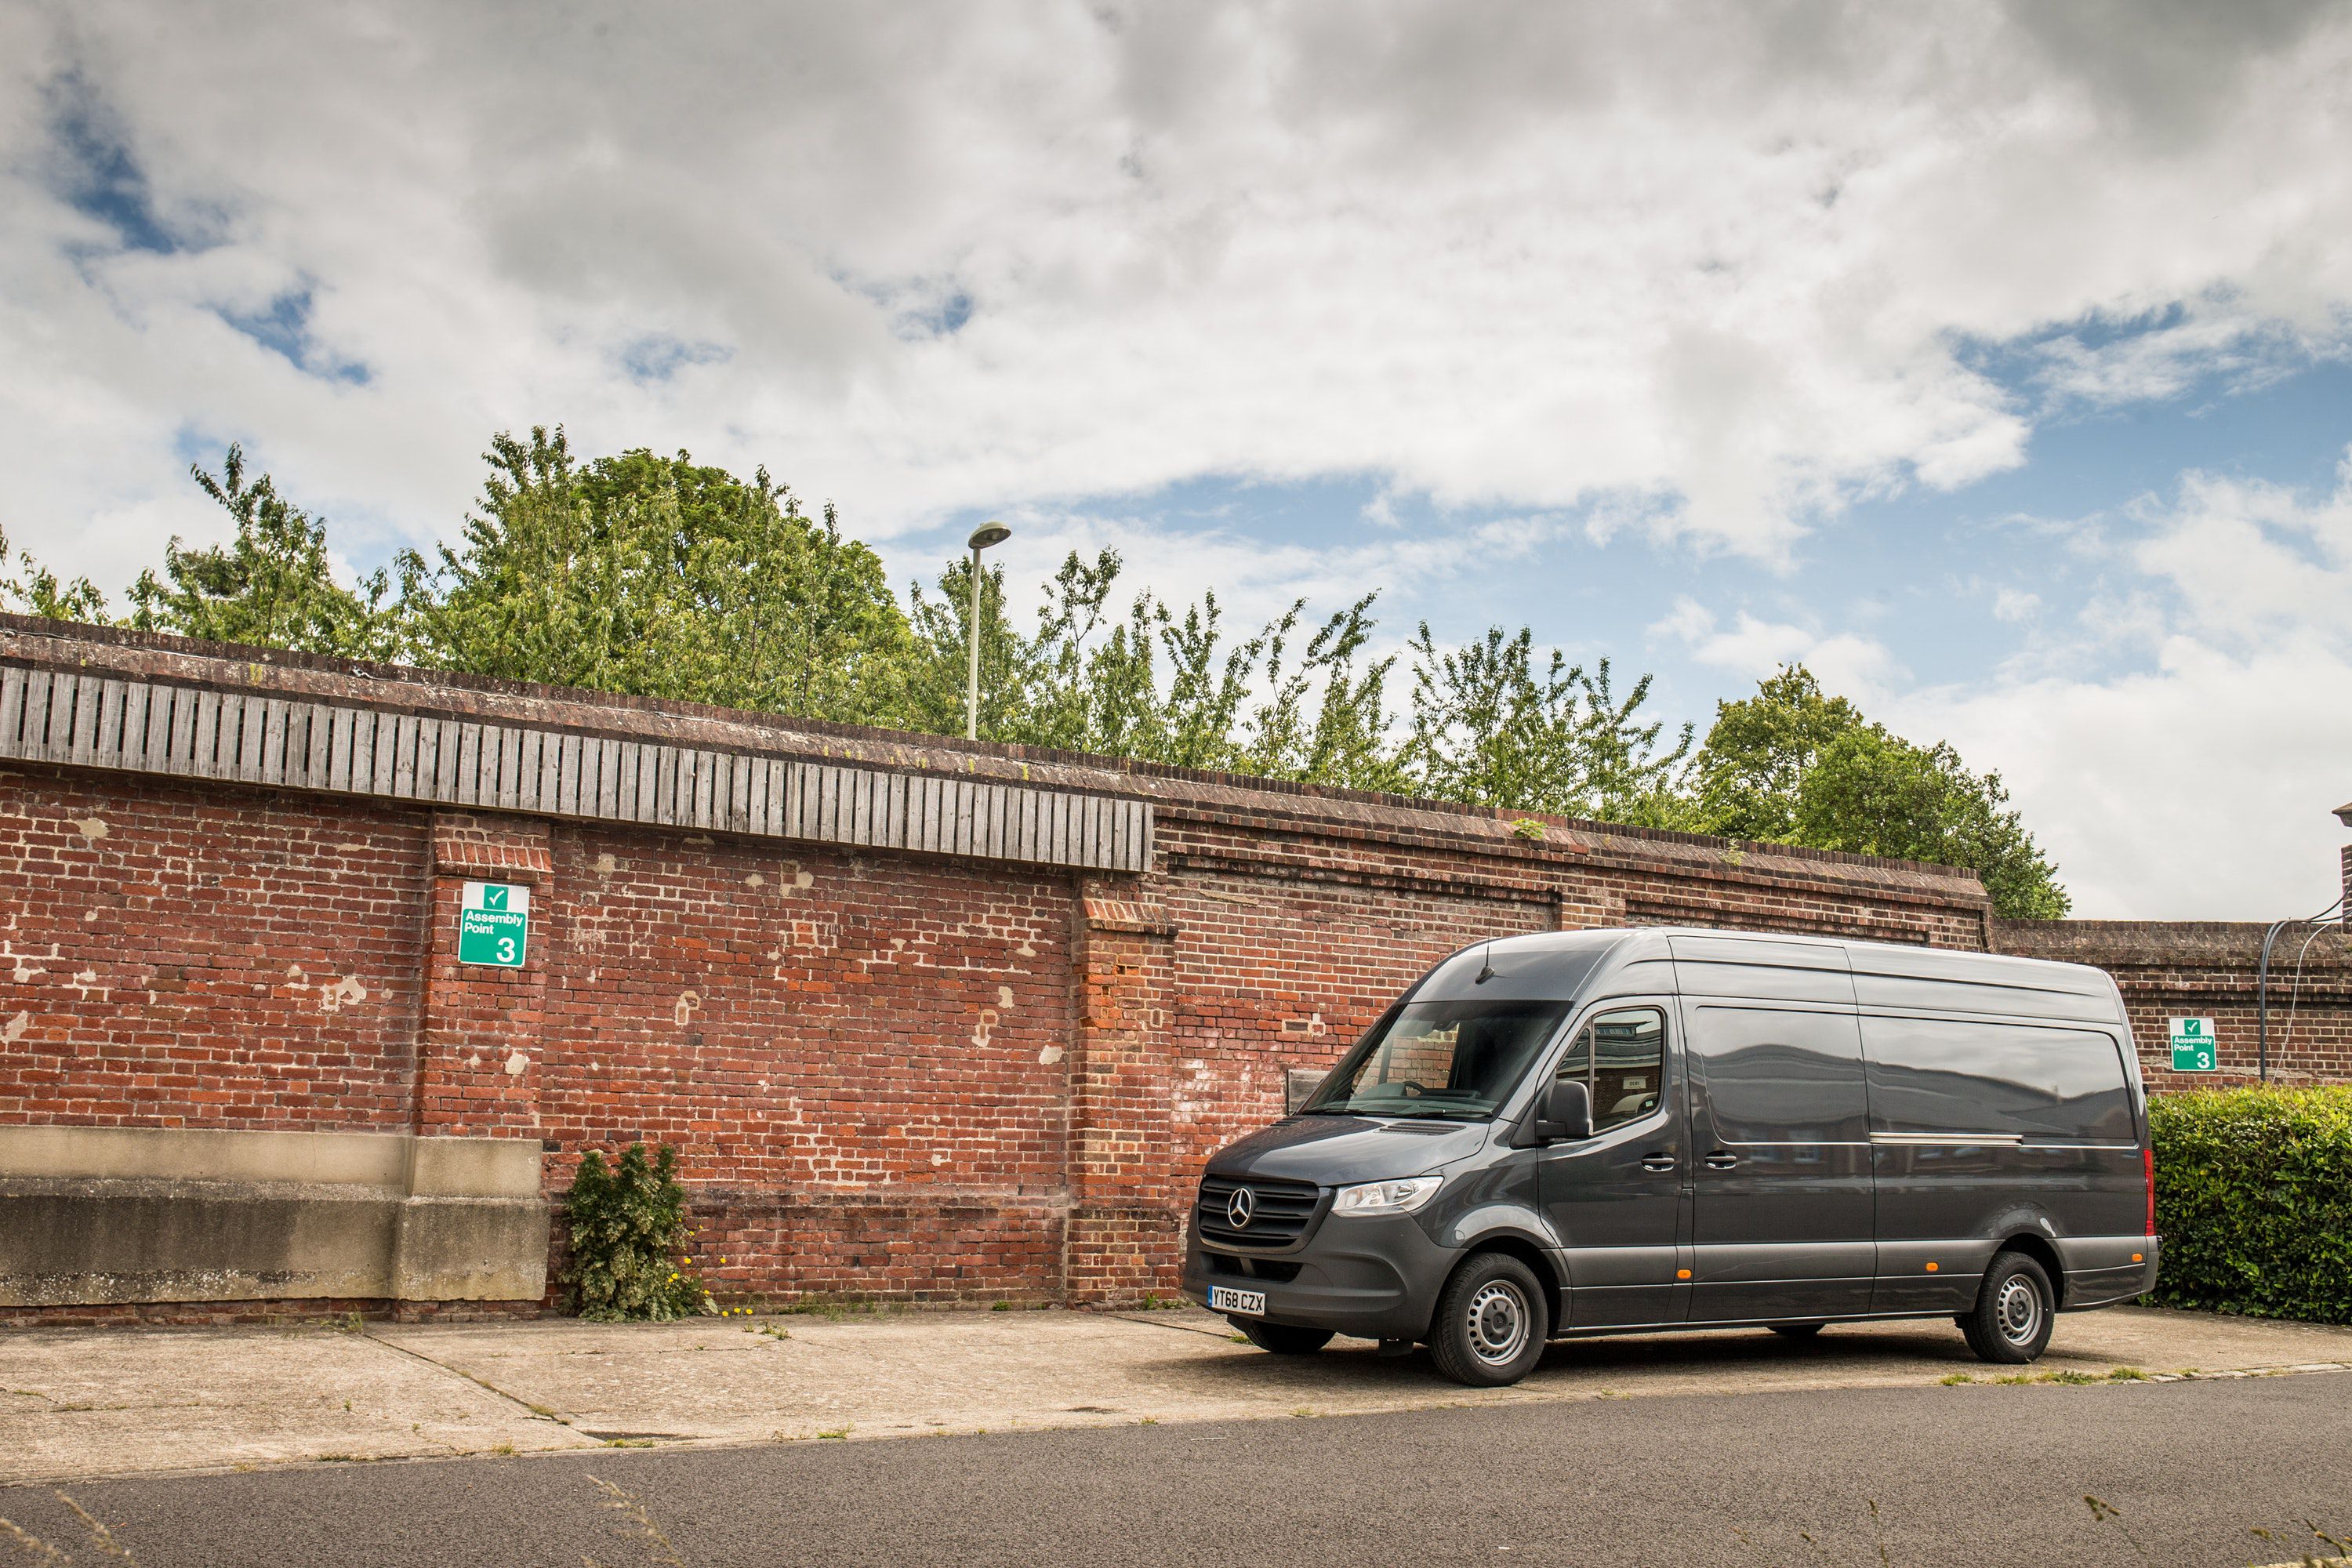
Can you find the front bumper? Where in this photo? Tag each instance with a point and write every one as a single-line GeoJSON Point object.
{"type": "Point", "coordinates": [1376, 1277]}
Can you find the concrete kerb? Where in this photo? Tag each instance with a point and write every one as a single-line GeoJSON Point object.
{"type": "Point", "coordinates": [77, 1405]}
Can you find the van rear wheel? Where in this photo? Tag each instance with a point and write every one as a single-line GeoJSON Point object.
{"type": "Point", "coordinates": [2014, 1314]}
{"type": "Point", "coordinates": [1491, 1322]}
{"type": "Point", "coordinates": [1281, 1338]}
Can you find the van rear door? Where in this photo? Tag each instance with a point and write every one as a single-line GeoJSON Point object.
{"type": "Point", "coordinates": [1783, 1213]}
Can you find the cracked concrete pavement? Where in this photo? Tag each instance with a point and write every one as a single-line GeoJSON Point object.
{"type": "Point", "coordinates": [77, 1403]}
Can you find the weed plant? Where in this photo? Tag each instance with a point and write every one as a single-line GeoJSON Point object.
{"type": "Point", "coordinates": [629, 1260]}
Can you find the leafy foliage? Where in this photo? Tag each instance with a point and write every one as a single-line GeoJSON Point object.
{"type": "Point", "coordinates": [1759, 751]}
{"type": "Point", "coordinates": [1794, 766]}
{"type": "Point", "coordinates": [2253, 1198]}
{"type": "Point", "coordinates": [1492, 728]}
{"type": "Point", "coordinates": [662, 577]}
{"type": "Point", "coordinates": [1154, 685]}
{"type": "Point", "coordinates": [40, 592]}
{"type": "Point", "coordinates": [271, 584]}
{"type": "Point", "coordinates": [629, 1238]}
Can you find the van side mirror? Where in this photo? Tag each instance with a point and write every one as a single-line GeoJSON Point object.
{"type": "Point", "coordinates": [1566, 1110]}
{"type": "Point", "coordinates": [1298, 1084]}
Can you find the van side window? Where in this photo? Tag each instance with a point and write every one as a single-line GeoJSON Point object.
{"type": "Point", "coordinates": [1934, 1075]}
{"type": "Point", "coordinates": [1621, 1056]}
{"type": "Point", "coordinates": [1778, 1076]}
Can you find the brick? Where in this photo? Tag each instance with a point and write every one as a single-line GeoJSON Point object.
{"type": "Point", "coordinates": [890, 1076]}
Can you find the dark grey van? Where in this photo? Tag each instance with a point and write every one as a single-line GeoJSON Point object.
{"type": "Point", "coordinates": [1607, 1131]}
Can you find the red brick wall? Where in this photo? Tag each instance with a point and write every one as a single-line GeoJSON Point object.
{"type": "Point", "coordinates": [839, 1047]}
{"type": "Point", "coordinates": [886, 1074]}
{"type": "Point", "coordinates": [2189, 969]}
{"type": "Point", "coordinates": [176, 955]}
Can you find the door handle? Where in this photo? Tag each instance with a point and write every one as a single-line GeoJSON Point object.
{"type": "Point", "coordinates": [1722, 1159]}
{"type": "Point", "coordinates": [1658, 1161]}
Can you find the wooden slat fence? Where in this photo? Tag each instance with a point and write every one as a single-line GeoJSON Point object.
{"type": "Point", "coordinates": [137, 726]}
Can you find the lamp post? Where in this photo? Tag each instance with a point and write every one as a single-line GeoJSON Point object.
{"type": "Point", "coordinates": [986, 535]}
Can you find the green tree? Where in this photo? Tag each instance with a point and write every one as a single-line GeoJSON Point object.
{"type": "Point", "coordinates": [1490, 726]}
{"type": "Point", "coordinates": [1155, 685]}
{"type": "Point", "coordinates": [1758, 751]}
{"type": "Point", "coordinates": [40, 592]}
{"type": "Point", "coordinates": [1792, 765]}
{"type": "Point", "coordinates": [271, 585]}
{"type": "Point", "coordinates": [1347, 744]}
{"type": "Point", "coordinates": [1876, 794]}
{"type": "Point", "coordinates": [661, 577]}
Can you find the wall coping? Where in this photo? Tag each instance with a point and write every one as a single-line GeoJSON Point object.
{"type": "Point", "coordinates": [2127, 944]}
{"type": "Point", "coordinates": [1186, 792]}
{"type": "Point", "coordinates": [400, 1163]}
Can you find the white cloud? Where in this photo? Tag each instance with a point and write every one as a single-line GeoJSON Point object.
{"type": "Point", "coordinates": [2200, 790]}
{"type": "Point", "coordinates": [1703, 274]}
{"type": "Point", "coordinates": [2250, 559]}
{"type": "Point", "coordinates": [2015, 605]}
{"type": "Point", "coordinates": [2201, 785]}
{"type": "Point", "coordinates": [1714, 268]}
{"type": "Point", "coordinates": [1847, 663]}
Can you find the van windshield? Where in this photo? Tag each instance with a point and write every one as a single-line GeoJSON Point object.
{"type": "Point", "coordinates": [1450, 1060]}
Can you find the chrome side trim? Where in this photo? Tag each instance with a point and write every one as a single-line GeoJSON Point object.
{"type": "Point", "coordinates": [1945, 1140]}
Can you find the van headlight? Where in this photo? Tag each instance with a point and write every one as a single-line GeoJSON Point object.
{"type": "Point", "coordinates": [1387, 1197]}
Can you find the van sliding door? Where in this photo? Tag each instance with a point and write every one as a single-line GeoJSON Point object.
{"type": "Point", "coordinates": [1782, 1206]}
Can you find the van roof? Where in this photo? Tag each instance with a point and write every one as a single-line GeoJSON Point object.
{"type": "Point", "coordinates": [1884, 976]}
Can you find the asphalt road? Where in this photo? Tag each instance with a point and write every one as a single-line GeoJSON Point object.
{"type": "Point", "coordinates": [1985, 1474]}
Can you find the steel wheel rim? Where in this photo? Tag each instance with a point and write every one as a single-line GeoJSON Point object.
{"type": "Point", "coordinates": [1498, 1322]}
{"type": "Point", "coordinates": [2017, 1309]}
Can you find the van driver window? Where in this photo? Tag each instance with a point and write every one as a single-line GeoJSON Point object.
{"type": "Point", "coordinates": [1622, 1055]}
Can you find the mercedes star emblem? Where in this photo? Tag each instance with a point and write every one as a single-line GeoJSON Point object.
{"type": "Point", "coordinates": [1240, 1207]}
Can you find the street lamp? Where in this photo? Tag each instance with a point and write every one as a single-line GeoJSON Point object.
{"type": "Point", "coordinates": [986, 535]}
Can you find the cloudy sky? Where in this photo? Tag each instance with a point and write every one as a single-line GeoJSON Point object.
{"type": "Point", "coordinates": [1993, 360]}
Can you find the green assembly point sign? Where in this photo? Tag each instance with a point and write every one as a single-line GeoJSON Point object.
{"type": "Point", "coordinates": [494, 923]}
{"type": "Point", "coordinates": [2192, 1046]}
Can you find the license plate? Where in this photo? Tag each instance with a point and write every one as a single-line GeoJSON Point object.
{"type": "Point", "coordinates": [1249, 1303]}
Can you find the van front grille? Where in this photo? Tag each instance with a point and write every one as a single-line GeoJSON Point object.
{"type": "Point", "coordinates": [1280, 1212]}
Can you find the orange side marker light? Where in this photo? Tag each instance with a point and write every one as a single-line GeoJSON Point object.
{"type": "Point", "coordinates": [1682, 1273]}
{"type": "Point", "coordinates": [2135, 1258]}
{"type": "Point", "coordinates": [1931, 1269]}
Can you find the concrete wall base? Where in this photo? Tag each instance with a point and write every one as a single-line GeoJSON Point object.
{"type": "Point", "coordinates": [102, 1216]}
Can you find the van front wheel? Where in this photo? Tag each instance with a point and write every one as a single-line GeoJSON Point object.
{"type": "Point", "coordinates": [1281, 1338]}
{"type": "Point", "coordinates": [1491, 1322]}
{"type": "Point", "coordinates": [2014, 1314]}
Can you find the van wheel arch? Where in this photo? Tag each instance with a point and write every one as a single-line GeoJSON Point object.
{"type": "Point", "coordinates": [2036, 1245]}
{"type": "Point", "coordinates": [1526, 1252]}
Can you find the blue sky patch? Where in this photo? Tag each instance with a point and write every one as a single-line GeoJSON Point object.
{"type": "Point", "coordinates": [657, 356]}
{"type": "Point", "coordinates": [283, 327]}
{"type": "Point", "coordinates": [93, 170]}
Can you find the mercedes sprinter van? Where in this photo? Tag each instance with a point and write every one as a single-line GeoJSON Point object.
{"type": "Point", "coordinates": [1605, 1131]}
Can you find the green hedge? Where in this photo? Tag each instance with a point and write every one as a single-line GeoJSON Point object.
{"type": "Point", "coordinates": [2254, 1199]}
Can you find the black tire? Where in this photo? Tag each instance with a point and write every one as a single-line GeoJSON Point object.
{"type": "Point", "coordinates": [2015, 1310]}
{"type": "Point", "coordinates": [1281, 1338]}
{"type": "Point", "coordinates": [1491, 1322]}
{"type": "Point", "coordinates": [1799, 1330]}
